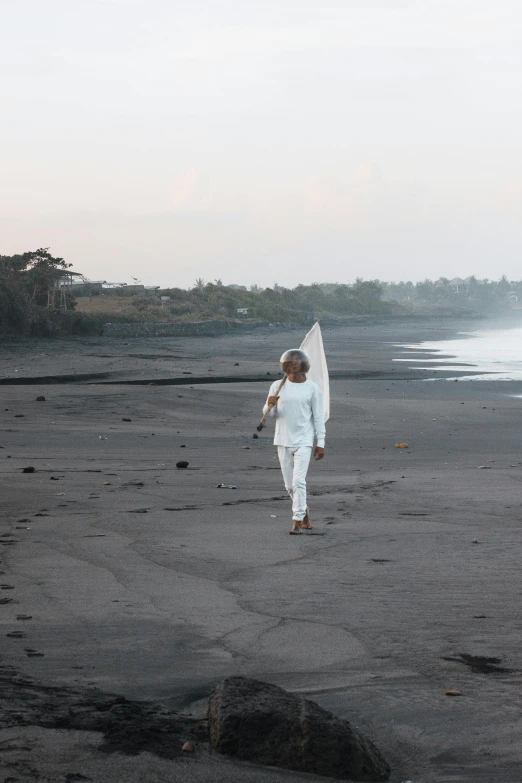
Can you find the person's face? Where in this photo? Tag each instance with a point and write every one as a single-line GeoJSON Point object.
{"type": "Point", "coordinates": [293, 366]}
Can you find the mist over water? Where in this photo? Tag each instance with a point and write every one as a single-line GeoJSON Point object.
{"type": "Point", "coordinates": [494, 355]}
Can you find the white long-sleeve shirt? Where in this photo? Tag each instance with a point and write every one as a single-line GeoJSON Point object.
{"type": "Point", "coordinates": [299, 414]}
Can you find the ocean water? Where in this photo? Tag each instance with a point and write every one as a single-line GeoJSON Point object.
{"type": "Point", "coordinates": [494, 354]}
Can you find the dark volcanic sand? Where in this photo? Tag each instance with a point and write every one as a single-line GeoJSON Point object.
{"type": "Point", "coordinates": [408, 589]}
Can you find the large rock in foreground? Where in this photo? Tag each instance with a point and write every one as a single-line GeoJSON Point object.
{"type": "Point", "coordinates": [258, 722]}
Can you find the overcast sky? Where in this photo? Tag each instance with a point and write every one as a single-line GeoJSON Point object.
{"type": "Point", "coordinates": [262, 141]}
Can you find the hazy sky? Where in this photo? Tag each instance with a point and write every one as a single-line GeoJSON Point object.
{"type": "Point", "coordinates": [261, 141]}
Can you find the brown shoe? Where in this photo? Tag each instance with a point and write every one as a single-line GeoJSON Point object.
{"type": "Point", "coordinates": [306, 524]}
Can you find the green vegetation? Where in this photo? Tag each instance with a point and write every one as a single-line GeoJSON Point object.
{"type": "Point", "coordinates": [33, 301]}
{"type": "Point", "coordinates": [485, 297]}
{"type": "Point", "coordinates": [298, 305]}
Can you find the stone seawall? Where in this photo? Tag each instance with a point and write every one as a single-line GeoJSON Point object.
{"type": "Point", "coordinates": [191, 329]}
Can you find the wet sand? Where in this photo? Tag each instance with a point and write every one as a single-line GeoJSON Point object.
{"type": "Point", "coordinates": [151, 582]}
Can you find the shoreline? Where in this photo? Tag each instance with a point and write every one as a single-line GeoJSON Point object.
{"type": "Point", "coordinates": [152, 583]}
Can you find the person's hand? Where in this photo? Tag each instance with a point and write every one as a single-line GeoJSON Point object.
{"type": "Point", "coordinates": [318, 453]}
{"type": "Point", "coordinates": [272, 401]}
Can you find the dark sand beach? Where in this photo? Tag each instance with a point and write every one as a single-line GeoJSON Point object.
{"type": "Point", "coordinates": [124, 575]}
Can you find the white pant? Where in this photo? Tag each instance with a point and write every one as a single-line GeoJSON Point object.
{"type": "Point", "coordinates": [294, 466]}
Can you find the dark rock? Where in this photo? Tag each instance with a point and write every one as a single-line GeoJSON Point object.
{"type": "Point", "coordinates": [182, 464]}
{"type": "Point", "coordinates": [40, 399]}
{"type": "Point", "coordinates": [255, 435]}
{"type": "Point", "coordinates": [263, 723]}
{"type": "Point", "coordinates": [30, 469]}
{"type": "Point", "coordinates": [125, 419]}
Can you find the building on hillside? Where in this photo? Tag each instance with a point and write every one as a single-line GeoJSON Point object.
{"type": "Point", "coordinates": [457, 283]}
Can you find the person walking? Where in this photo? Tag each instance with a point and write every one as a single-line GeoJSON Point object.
{"type": "Point", "coordinates": [299, 412]}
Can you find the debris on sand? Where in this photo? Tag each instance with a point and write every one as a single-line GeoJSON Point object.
{"type": "Point", "coordinates": [453, 693]}
{"type": "Point", "coordinates": [182, 464]}
{"type": "Point", "coordinates": [126, 419]}
{"type": "Point", "coordinates": [401, 445]}
{"type": "Point", "coordinates": [128, 727]}
{"type": "Point", "coordinates": [29, 469]}
{"type": "Point", "coordinates": [226, 486]}
{"type": "Point", "coordinates": [480, 664]}
{"type": "Point", "coordinates": [255, 436]}
{"type": "Point", "coordinates": [188, 747]}
{"type": "Point", "coordinates": [40, 399]}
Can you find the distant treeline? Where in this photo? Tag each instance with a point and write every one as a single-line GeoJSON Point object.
{"type": "Point", "coordinates": [32, 301]}
{"type": "Point", "coordinates": [364, 297]}
{"type": "Point", "coordinates": [481, 296]}
{"type": "Point", "coordinates": [296, 305]}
